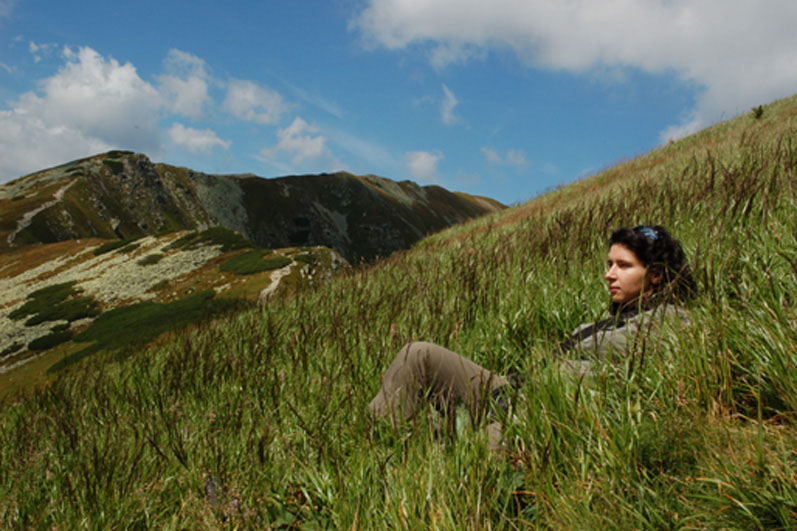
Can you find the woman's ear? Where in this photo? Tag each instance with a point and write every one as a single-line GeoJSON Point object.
{"type": "Point", "coordinates": [654, 278]}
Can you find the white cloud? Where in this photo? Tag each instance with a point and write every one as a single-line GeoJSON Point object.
{"type": "Point", "coordinates": [91, 104]}
{"type": "Point", "coordinates": [319, 101]}
{"type": "Point", "coordinates": [196, 140]}
{"type": "Point", "coordinates": [27, 144]}
{"type": "Point", "coordinates": [549, 168]}
{"type": "Point", "coordinates": [372, 153]}
{"type": "Point", "coordinates": [492, 155]}
{"type": "Point", "coordinates": [40, 50]}
{"type": "Point", "coordinates": [422, 165]}
{"type": "Point", "coordinates": [102, 99]}
{"type": "Point", "coordinates": [297, 140]}
{"type": "Point", "coordinates": [740, 53]}
{"type": "Point", "coordinates": [249, 101]}
{"type": "Point", "coordinates": [184, 87]}
{"type": "Point", "coordinates": [447, 106]}
{"type": "Point", "coordinates": [514, 157]}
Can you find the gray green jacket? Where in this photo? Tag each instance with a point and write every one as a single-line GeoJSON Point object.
{"type": "Point", "coordinates": [616, 341]}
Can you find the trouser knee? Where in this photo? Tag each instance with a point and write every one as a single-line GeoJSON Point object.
{"type": "Point", "coordinates": [415, 350]}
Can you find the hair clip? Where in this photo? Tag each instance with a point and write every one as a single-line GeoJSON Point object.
{"type": "Point", "coordinates": [646, 231]}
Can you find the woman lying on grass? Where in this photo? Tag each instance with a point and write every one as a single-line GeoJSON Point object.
{"type": "Point", "coordinates": [647, 275]}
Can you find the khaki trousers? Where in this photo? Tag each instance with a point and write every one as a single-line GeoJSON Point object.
{"type": "Point", "coordinates": [424, 372]}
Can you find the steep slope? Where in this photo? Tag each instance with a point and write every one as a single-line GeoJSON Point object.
{"type": "Point", "coordinates": [260, 420]}
{"type": "Point", "coordinates": [124, 195]}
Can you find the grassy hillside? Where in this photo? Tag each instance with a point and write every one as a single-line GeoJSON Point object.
{"type": "Point", "coordinates": [62, 302]}
{"type": "Point", "coordinates": [260, 419]}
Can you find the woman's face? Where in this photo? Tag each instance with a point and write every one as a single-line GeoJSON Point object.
{"type": "Point", "coordinates": [626, 274]}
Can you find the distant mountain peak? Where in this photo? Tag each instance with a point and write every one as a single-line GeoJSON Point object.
{"type": "Point", "coordinates": [121, 194]}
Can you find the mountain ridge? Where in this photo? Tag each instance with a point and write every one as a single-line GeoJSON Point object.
{"type": "Point", "coordinates": [120, 194]}
{"type": "Point", "coordinates": [114, 232]}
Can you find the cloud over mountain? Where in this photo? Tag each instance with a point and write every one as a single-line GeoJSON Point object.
{"type": "Point", "coordinates": [514, 157]}
{"type": "Point", "coordinates": [196, 140]}
{"type": "Point", "coordinates": [249, 101]}
{"type": "Point", "coordinates": [447, 106]}
{"type": "Point", "coordinates": [422, 165]}
{"type": "Point", "coordinates": [184, 86]}
{"type": "Point", "coordinates": [301, 141]}
{"type": "Point", "coordinates": [95, 103]}
{"type": "Point", "coordinates": [90, 104]}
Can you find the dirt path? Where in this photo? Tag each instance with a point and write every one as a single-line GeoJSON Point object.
{"type": "Point", "coordinates": [276, 276]}
{"type": "Point", "coordinates": [27, 218]}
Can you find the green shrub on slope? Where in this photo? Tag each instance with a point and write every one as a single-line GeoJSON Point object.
{"type": "Point", "coordinates": [150, 259]}
{"type": "Point", "coordinates": [44, 298]}
{"type": "Point", "coordinates": [11, 349]}
{"type": "Point", "coordinates": [229, 240]}
{"type": "Point", "coordinates": [56, 302]}
{"type": "Point", "coordinates": [134, 326]}
{"type": "Point", "coordinates": [51, 340]}
{"type": "Point", "coordinates": [121, 245]}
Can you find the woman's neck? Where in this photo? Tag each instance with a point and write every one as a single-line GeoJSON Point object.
{"type": "Point", "coordinates": [617, 309]}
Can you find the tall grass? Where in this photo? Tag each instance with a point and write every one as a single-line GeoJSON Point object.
{"type": "Point", "coordinates": [260, 419]}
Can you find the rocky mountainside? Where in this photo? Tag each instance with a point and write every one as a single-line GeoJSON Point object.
{"type": "Point", "coordinates": [125, 195]}
{"type": "Point", "coordinates": [113, 250]}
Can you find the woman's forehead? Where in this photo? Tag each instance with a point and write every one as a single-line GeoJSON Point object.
{"type": "Point", "coordinates": [619, 251]}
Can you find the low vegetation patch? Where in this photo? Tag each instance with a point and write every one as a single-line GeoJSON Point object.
{"type": "Point", "coordinates": [228, 239]}
{"type": "Point", "coordinates": [117, 153]}
{"type": "Point", "coordinates": [69, 310]}
{"type": "Point", "coordinates": [151, 259]}
{"type": "Point", "coordinates": [113, 245]}
{"type": "Point", "coordinates": [41, 299]}
{"type": "Point", "coordinates": [114, 165]}
{"type": "Point", "coordinates": [182, 241]}
{"type": "Point", "coordinates": [131, 327]}
{"type": "Point", "coordinates": [55, 303]}
{"type": "Point", "coordinates": [160, 285]}
{"type": "Point", "coordinates": [53, 339]}
{"type": "Point", "coordinates": [307, 258]}
{"type": "Point", "coordinates": [254, 261]}
{"type": "Point", "coordinates": [132, 246]}
{"type": "Point", "coordinates": [11, 349]}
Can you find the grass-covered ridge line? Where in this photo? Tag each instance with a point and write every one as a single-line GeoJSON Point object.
{"type": "Point", "coordinates": [266, 409]}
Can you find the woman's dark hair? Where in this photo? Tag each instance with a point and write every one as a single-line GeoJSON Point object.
{"type": "Point", "coordinates": [664, 259]}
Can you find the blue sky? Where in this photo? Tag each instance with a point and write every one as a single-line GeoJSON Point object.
{"type": "Point", "coordinates": [503, 98]}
